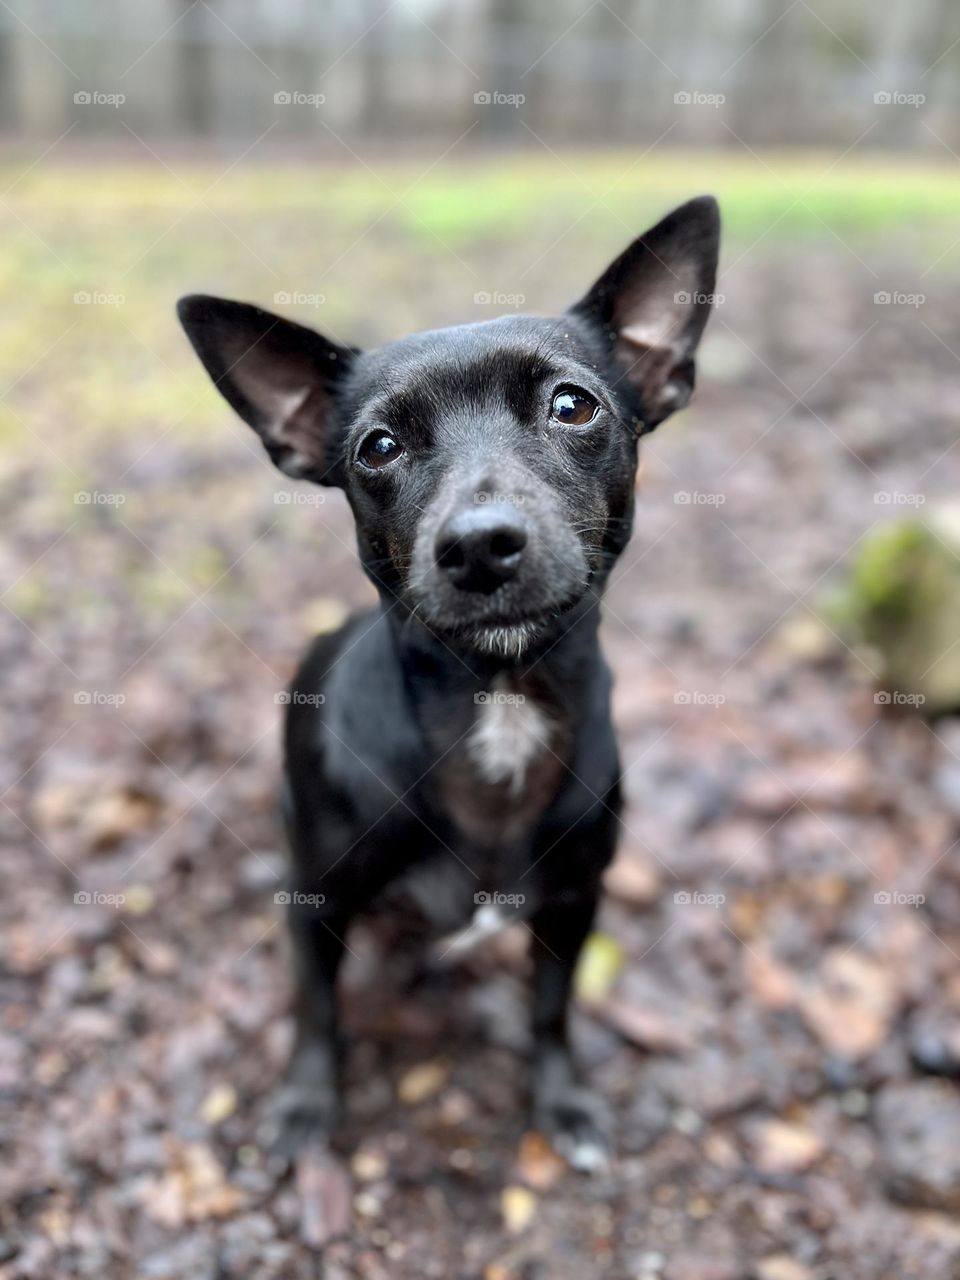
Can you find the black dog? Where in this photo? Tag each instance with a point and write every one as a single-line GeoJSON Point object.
{"type": "Point", "coordinates": [452, 748]}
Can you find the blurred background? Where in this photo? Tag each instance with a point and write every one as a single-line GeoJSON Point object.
{"type": "Point", "coordinates": [772, 998]}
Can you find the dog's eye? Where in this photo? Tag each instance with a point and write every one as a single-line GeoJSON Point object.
{"type": "Point", "coordinates": [379, 449]}
{"type": "Point", "coordinates": [573, 408]}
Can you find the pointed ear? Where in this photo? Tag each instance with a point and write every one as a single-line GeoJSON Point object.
{"type": "Point", "coordinates": [280, 377]}
{"type": "Point", "coordinates": [652, 304]}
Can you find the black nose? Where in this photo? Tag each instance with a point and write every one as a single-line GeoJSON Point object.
{"type": "Point", "coordinates": [480, 547]}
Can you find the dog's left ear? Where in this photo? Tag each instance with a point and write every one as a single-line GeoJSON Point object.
{"type": "Point", "coordinates": [652, 304]}
{"type": "Point", "coordinates": [280, 377]}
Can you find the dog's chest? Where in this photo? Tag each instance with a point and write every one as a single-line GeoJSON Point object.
{"type": "Point", "coordinates": [497, 781]}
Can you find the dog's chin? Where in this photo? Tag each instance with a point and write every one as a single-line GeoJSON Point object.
{"type": "Point", "coordinates": [505, 636]}
{"type": "Point", "coordinates": [509, 640]}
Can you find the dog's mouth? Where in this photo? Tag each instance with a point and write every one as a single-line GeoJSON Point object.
{"type": "Point", "coordinates": [507, 632]}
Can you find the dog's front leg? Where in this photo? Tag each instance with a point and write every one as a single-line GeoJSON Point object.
{"type": "Point", "coordinates": [306, 1105]}
{"type": "Point", "coordinates": [573, 1117]}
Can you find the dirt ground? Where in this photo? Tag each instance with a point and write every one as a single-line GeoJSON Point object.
{"type": "Point", "coordinates": [782, 1043]}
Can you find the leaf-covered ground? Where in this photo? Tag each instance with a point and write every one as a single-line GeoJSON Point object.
{"type": "Point", "coordinates": [781, 1041]}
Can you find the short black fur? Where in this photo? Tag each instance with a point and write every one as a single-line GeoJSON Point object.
{"type": "Point", "coordinates": [456, 740]}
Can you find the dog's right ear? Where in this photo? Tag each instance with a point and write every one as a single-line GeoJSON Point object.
{"type": "Point", "coordinates": [280, 377]}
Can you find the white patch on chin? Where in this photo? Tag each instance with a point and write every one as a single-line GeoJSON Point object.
{"type": "Point", "coordinates": [509, 731]}
{"type": "Point", "coordinates": [505, 642]}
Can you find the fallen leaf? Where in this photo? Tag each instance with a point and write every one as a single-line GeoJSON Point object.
{"type": "Point", "coordinates": [647, 1028]}
{"type": "Point", "coordinates": [323, 614]}
{"type": "Point", "coordinates": [598, 968]}
{"type": "Point", "coordinates": [517, 1207]}
{"type": "Point", "coordinates": [633, 878]}
{"type": "Point", "coordinates": [852, 1006]}
{"type": "Point", "coordinates": [538, 1165]}
{"type": "Point", "coordinates": [219, 1104]}
{"type": "Point", "coordinates": [773, 984]}
{"type": "Point", "coordinates": [781, 1266]}
{"type": "Point", "coordinates": [369, 1165]}
{"type": "Point", "coordinates": [193, 1189]}
{"type": "Point", "coordinates": [114, 817]}
{"type": "Point", "coordinates": [780, 1147]}
{"type": "Point", "coordinates": [422, 1082]}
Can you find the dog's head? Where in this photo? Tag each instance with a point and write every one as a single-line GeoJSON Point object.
{"type": "Point", "coordinates": [490, 467]}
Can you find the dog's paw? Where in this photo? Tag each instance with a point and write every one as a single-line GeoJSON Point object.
{"type": "Point", "coordinates": [578, 1124]}
{"type": "Point", "coordinates": [299, 1116]}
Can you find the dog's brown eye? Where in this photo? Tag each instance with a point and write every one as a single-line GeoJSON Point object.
{"type": "Point", "coordinates": [573, 408]}
{"type": "Point", "coordinates": [379, 449]}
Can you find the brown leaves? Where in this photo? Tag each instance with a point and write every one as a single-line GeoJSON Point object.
{"type": "Point", "coordinates": [193, 1189]}
{"type": "Point", "coordinates": [851, 1005]}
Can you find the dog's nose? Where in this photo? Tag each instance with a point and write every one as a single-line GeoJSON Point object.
{"type": "Point", "coordinates": [479, 548]}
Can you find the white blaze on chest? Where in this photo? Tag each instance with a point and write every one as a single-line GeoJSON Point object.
{"type": "Point", "coordinates": [509, 731]}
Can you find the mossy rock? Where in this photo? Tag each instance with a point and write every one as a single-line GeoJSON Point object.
{"type": "Point", "coordinates": [901, 600]}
